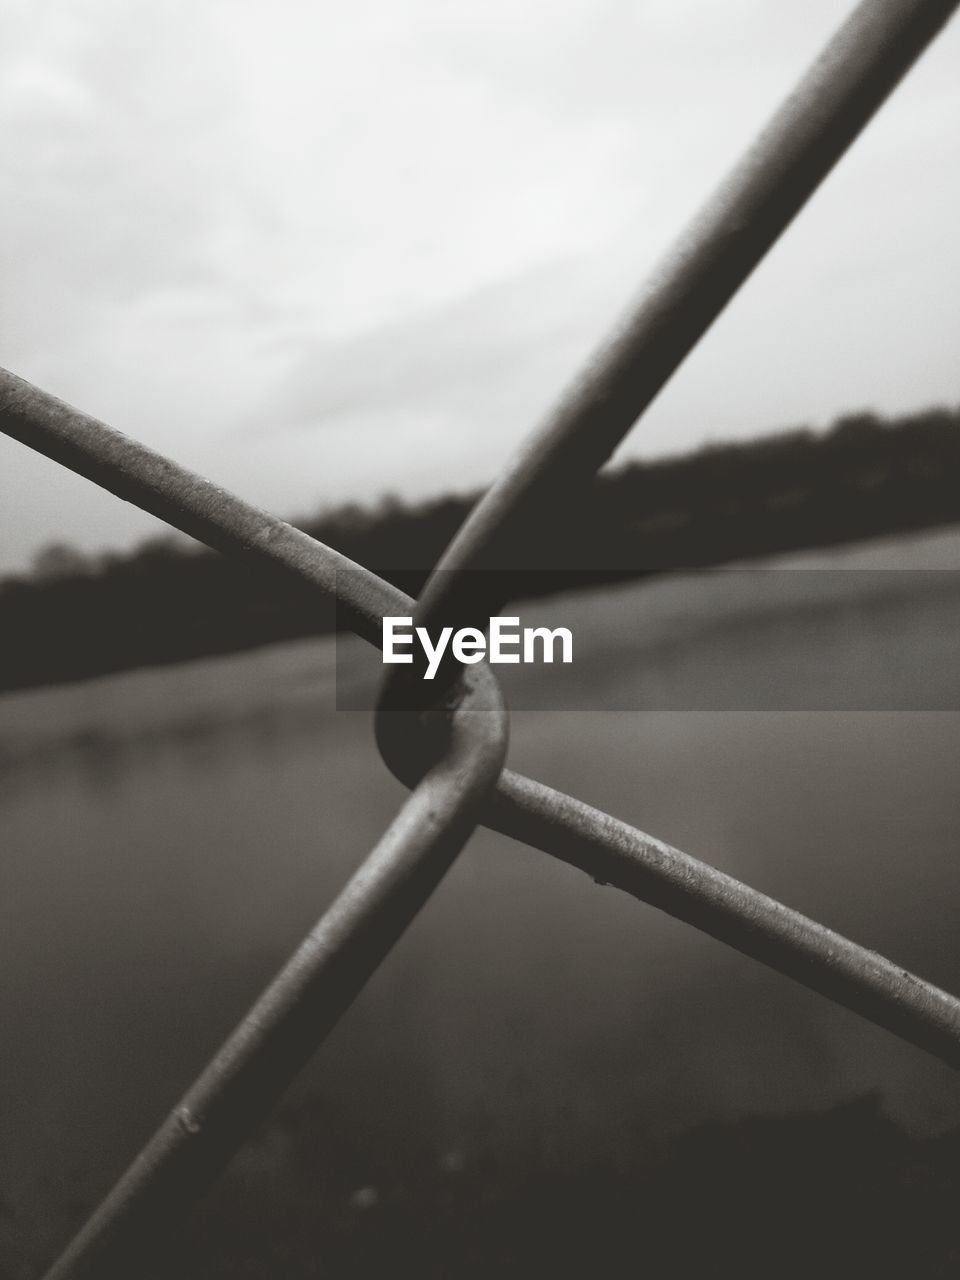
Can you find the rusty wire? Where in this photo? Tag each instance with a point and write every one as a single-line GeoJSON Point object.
{"type": "Point", "coordinates": [453, 756]}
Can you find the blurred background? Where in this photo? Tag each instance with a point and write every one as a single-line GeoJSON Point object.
{"type": "Point", "coordinates": [339, 258]}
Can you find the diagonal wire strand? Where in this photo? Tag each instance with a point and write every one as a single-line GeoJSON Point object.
{"type": "Point", "coordinates": [711, 259]}
{"type": "Point", "coordinates": [601, 846]}
{"type": "Point", "coordinates": [833, 102]}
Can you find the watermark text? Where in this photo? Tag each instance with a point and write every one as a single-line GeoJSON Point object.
{"type": "Point", "coordinates": [507, 642]}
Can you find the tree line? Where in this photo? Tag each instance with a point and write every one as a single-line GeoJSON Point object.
{"type": "Point", "coordinates": [73, 617]}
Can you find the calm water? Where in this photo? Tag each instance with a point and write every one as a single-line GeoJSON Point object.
{"type": "Point", "coordinates": [168, 837]}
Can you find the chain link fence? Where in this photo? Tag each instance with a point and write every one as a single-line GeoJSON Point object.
{"type": "Point", "coordinates": [451, 752]}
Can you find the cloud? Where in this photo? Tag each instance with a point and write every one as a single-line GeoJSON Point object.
{"type": "Point", "coordinates": [322, 251]}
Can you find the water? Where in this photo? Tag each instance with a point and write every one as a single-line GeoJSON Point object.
{"type": "Point", "coordinates": [169, 836]}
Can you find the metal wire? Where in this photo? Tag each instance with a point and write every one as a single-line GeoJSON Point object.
{"type": "Point", "coordinates": [614, 853]}
{"type": "Point", "coordinates": [452, 753]}
{"type": "Point", "coordinates": [293, 1016]}
{"type": "Point", "coordinates": [709, 262]}
{"type": "Point", "coordinates": [603, 847]}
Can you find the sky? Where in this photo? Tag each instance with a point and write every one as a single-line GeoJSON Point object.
{"type": "Point", "coordinates": [325, 252]}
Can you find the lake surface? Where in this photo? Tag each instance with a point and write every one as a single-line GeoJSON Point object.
{"type": "Point", "coordinates": [168, 836]}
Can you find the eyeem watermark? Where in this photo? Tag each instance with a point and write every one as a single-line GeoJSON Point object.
{"type": "Point", "coordinates": [745, 639]}
{"type": "Point", "coordinates": [507, 642]}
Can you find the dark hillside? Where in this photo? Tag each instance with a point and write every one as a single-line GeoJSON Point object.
{"type": "Point", "coordinates": [74, 618]}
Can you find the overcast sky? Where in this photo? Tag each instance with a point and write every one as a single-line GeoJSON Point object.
{"type": "Point", "coordinates": [325, 251]}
